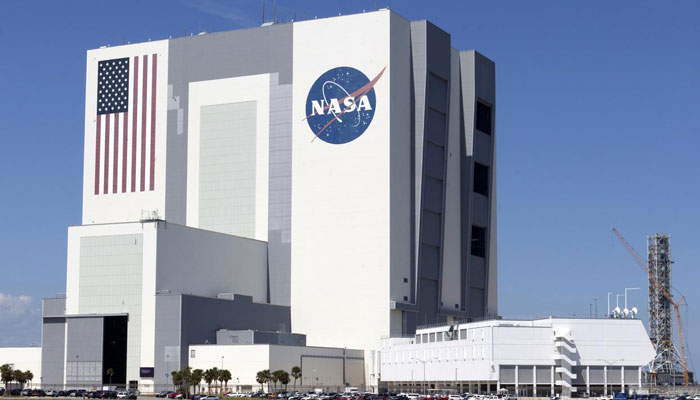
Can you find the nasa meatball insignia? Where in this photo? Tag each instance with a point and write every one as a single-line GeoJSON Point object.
{"type": "Point", "coordinates": [341, 104]}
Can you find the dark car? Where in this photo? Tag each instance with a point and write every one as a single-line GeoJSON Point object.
{"type": "Point", "coordinates": [38, 393]}
{"type": "Point", "coordinates": [162, 394]}
{"type": "Point", "coordinates": [26, 392]}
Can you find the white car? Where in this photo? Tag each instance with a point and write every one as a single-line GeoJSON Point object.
{"type": "Point", "coordinates": [454, 397]}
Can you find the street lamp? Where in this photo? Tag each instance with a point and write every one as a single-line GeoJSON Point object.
{"type": "Point", "coordinates": [422, 362]}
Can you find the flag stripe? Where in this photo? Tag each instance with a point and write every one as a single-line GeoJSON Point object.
{"type": "Point", "coordinates": [153, 120]}
{"type": "Point", "coordinates": [106, 159]}
{"type": "Point", "coordinates": [125, 147]}
{"type": "Point", "coordinates": [97, 153]}
{"type": "Point", "coordinates": [134, 124]}
{"type": "Point", "coordinates": [143, 124]}
{"type": "Point", "coordinates": [115, 161]}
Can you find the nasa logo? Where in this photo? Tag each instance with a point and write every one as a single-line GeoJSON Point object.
{"type": "Point", "coordinates": [341, 104]}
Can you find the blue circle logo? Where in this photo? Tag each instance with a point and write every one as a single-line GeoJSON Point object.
{"type": "Point", "coordinates": [341, 105]}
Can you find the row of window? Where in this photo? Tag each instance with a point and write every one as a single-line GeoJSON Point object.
{"type": "Point", "coordinates": [437, 355]}
{"type": "Point", "coordinates": [460, 334]}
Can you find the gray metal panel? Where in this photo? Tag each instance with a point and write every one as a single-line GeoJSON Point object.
{"type": "Point", "coordinates": [614, 375]}
{"type": "Point", "coordinates": [482, 148]}
{"type": "Point", "coordinates": [53, 336]}
{"type": "Point", "coordinates": [596, 375]}
{"type": "Point", "coordinates": [544, 375]}
{"type": "Point", "coordinates": [280, 193]}
{"type": "Point", "coordinates": [580, 372]}
{"type": "Point", "coordinates": [54, 307]}
{"type": "Point", "coordinates": [167, 338]}
{"type": "Point", "coordinates": [525, 374]}
{"type": "Point", "coordinates": [480, 210]}
{"type": "Point", "coordinates": [631, 376]}
{"type": "Point", "coordinates": [507, 374]}
{"type": "Point", "coordinates": [84, 351]}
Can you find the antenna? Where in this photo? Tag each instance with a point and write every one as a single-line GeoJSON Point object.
{"type": "Point", "coordinates": [263, 12]}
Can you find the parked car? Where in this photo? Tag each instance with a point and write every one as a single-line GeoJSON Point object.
{"type": "Point", "coordinates": [126, 395]}
{"type": "Point", "coordinates": [210, 397]}
{"type": "Point", "coordinates": [37, 393]}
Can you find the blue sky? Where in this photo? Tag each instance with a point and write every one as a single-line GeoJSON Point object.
{"type": "Point", "coordinates": [597, 121]}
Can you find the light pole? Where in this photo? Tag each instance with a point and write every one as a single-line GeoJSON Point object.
{"type": "Point", "coordinates": [422, 362]}
{"type": "Point", "coordinates": [626, 289]}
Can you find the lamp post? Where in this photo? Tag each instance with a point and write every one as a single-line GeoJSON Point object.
{"type": "Point", "coordinates": [626, 289]}
{"type": "Point", "coordinates": [422, 362]}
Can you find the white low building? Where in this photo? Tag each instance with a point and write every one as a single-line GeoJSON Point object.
{"type": "Point", "coordinates": [328, 368]}
{"type": "Point", "coordinates": [538, 357]}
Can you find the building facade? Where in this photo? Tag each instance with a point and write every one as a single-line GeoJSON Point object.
{"type": "Point", "coordinates": [259, 171]}
{"type": "Point", "coordinates": [545, 357]}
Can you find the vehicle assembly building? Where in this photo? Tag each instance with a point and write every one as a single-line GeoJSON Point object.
{"type": "Point", "coordinates": [255, 200]}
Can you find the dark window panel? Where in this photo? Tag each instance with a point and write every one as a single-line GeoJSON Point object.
{"type": "Point", "coordinates": [478, 241]}
{"type": "Point", "coordinates": [483, 117]}
{"type": "Point", "coordinates": [481, 179]}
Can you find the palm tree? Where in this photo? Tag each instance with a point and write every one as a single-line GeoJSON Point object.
{"type": "Point", "coordinates": [209, 376]}
{"type": "Point", "coordinates": [177, 379]}
{"type": "Point", "coordinates": [259, 377]}
{"type": "Point", "coordinates": [6, 374]}
{"type": "Point", "coordinates": [216, 372]}
{"type": "Point", "coordinates": [196, 377]}
{"type": "Point", "coordinates": [20, 377]}
{"type": "Point", "coordinates": [110, 373]}
{"type": "Point", "coordinates": [284, 379]}
{"type": "Point", "coordinates": [266, 377]}
{"type": "Point", "coordinates": [28, 375]}
{"type": "Point", "coordinates": [225, 376]}
{"type": "Point", "coordinates": [296, 374]}
{"type": "Point", "coordinates": [278, 375]}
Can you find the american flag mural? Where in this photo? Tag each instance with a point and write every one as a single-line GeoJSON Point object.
{"type": "Point", "coordinates": [125, 129]}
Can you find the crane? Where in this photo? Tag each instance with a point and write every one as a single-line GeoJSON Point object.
{"type": "Point", "coordinates": [667, 295]}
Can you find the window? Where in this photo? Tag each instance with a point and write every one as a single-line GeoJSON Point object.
{"type": "Point", "coordinates": [481, 179]}
{"type": "Point", "coordinates": [417, 339]}
{"type": "Point", "coordinates": [192, 354]}
{"type": "Point", "coordinates": [478, 241]}
{"type": "Point", "coordinates": [432, 337]}
{"type": "Point", "coordinates": [439, 336]}
{"type": "Point", "coordinates": [483, 117]}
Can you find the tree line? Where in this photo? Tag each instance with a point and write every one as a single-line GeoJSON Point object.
{"type": "Point", "coordinates": [7, 374]}
{"type": "Point", "coordinates": [280, 375]}
{"type": "Point", "coordinates": [189, 378]}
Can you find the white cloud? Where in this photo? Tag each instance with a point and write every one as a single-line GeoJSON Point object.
{"type": "Point", "coordinates": [20, 320]}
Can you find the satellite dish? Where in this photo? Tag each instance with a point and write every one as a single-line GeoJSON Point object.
{"type": "Point", "coordinates": [617, 310]}
{"type": "Point", "coordinates": [634, 310]}
{"type": "Point", "coordinates": [626, 311]}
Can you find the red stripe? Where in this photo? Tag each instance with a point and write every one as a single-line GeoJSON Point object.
{"type": "Point", "coordinates": [133, 125]}
{"type": "Point", "coordinates": [153, 118]}
{"type": "Point", "coordinates": [97, 153]}
{"type": "Point", "coordinates": [124, 148]}
{"type": "Point", "coordinates": [115, 165]}
{"type": "Point", "coordinates": [106, 159]}
{"type": "Point", "coordinates": [143, 124]}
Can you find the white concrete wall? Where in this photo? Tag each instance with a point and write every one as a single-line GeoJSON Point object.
{"type": "Point", "coordinates": [23, 358]}
{"type": "Point", "coordinates": [341, 193]}
{"type": "Point", "coordinates": [490, 344]}
{"type": "Point", "coordinates": [321, 367]}
{"type": "Point", "coordinates": [123, 207]}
